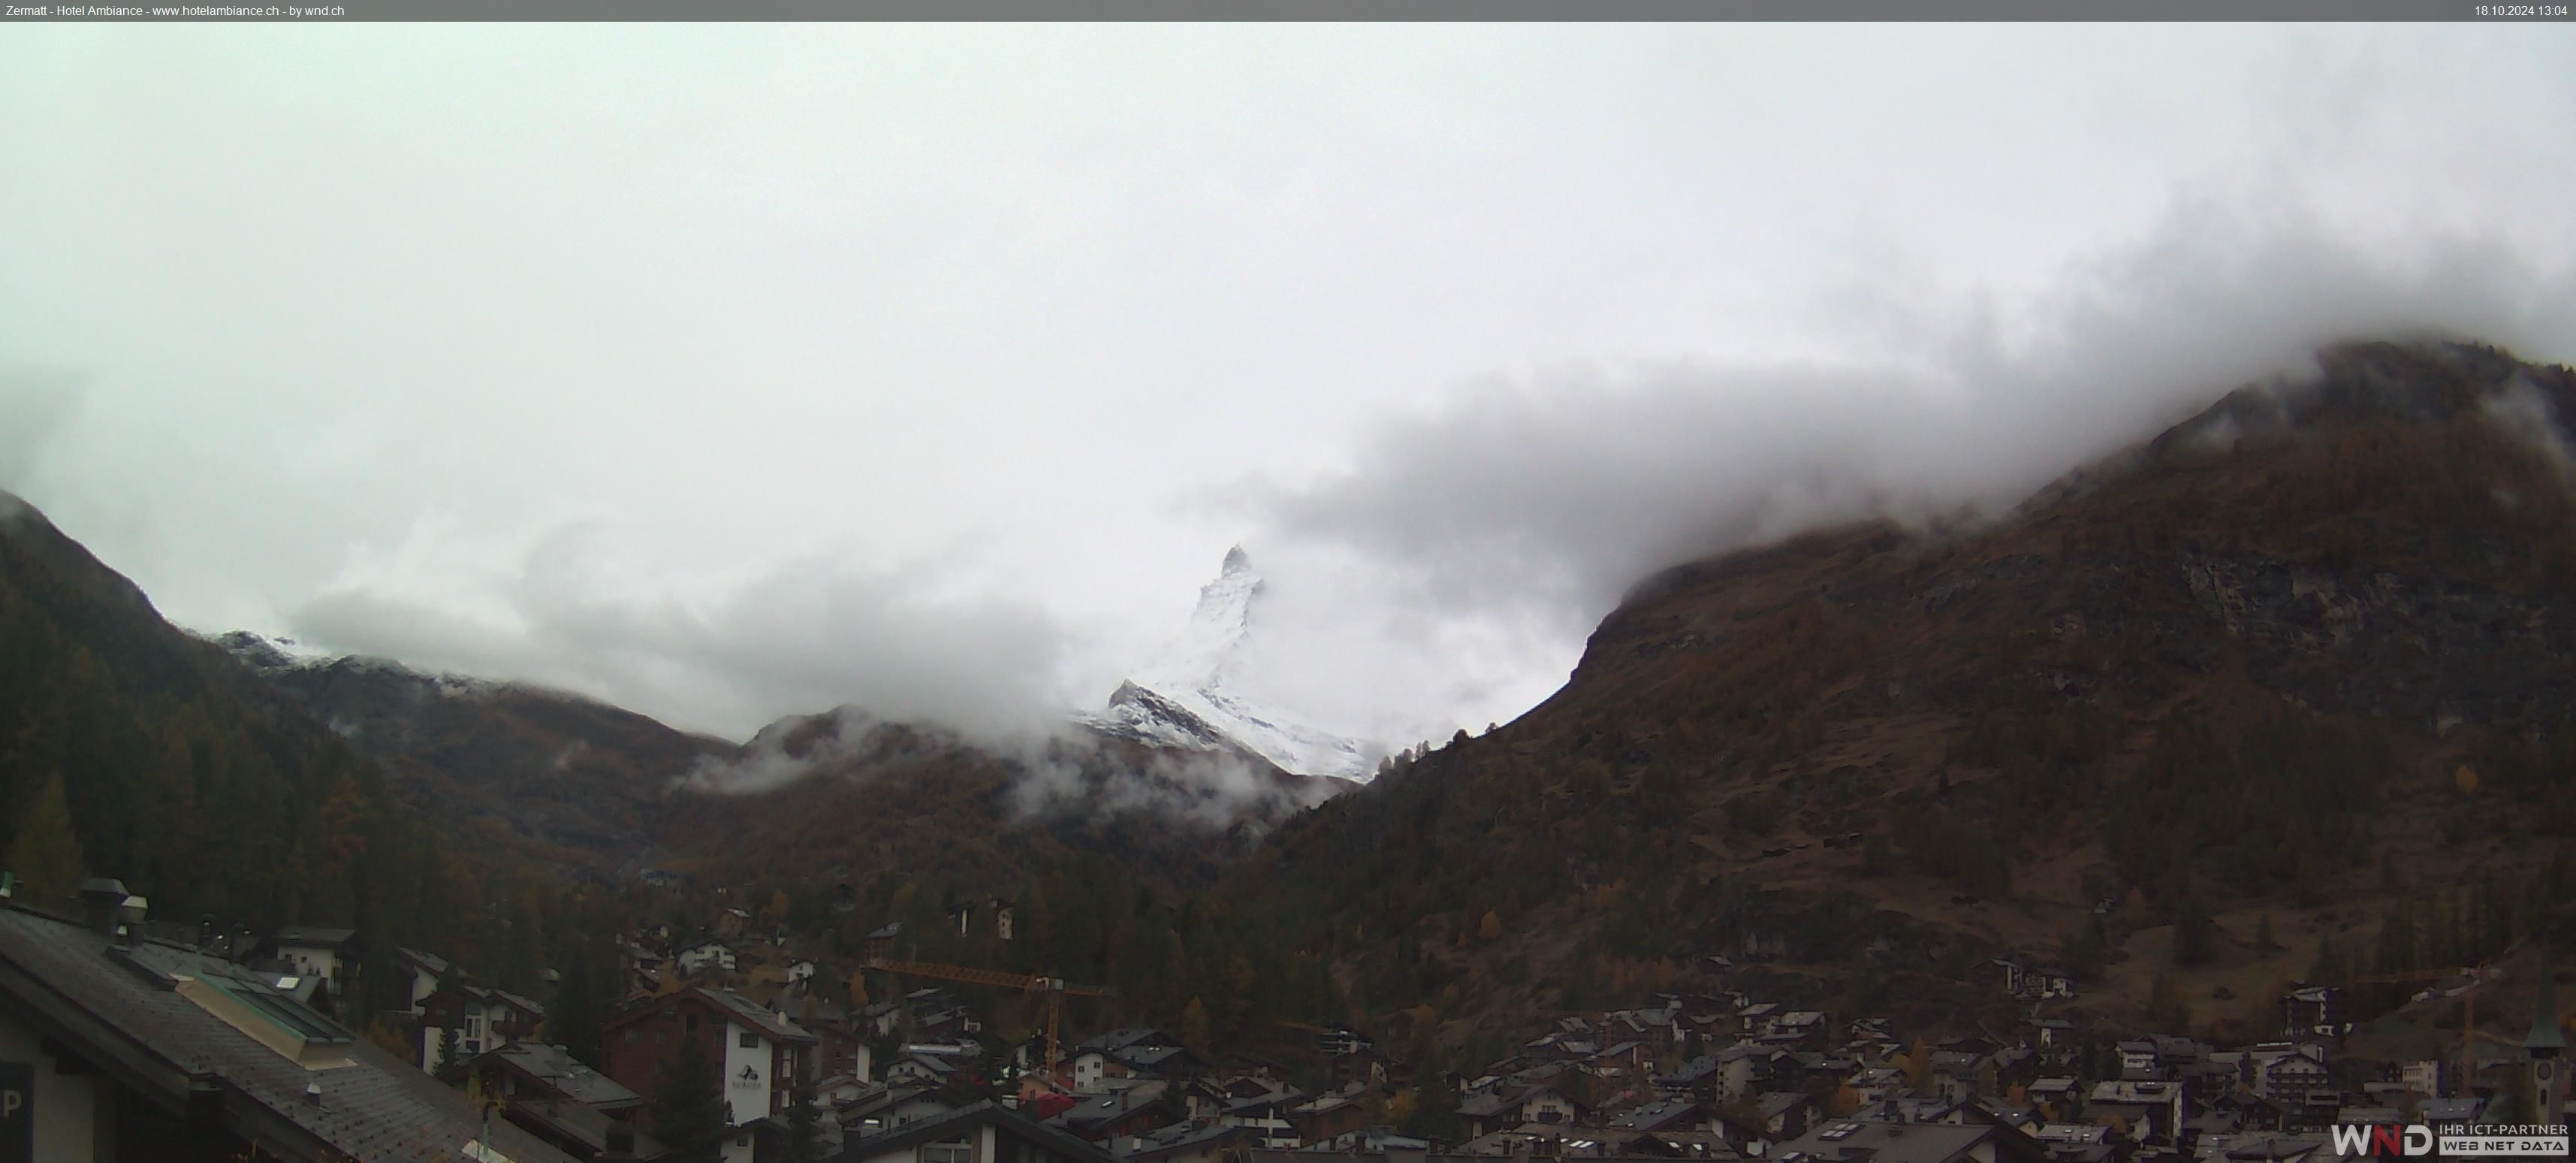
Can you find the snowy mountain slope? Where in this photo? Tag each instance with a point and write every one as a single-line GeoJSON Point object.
{"type": "Point", "coordinates": [1200, 693]}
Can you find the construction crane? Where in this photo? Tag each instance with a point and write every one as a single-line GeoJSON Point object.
{"type": "Point", "coordinates": [2477, 975]}
{"type": "Point", "coordinates": [1053, 989]}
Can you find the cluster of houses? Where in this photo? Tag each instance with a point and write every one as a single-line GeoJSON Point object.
{"type": "Point", "coordinates": [1727, 1076]}
{"type": "Point", "coordinates": [159, 1035]}
{"type": "Point", "coordinates": [1796, 1086]}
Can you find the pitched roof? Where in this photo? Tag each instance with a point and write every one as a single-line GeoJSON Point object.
{"type": "Point", "coordinates": [310, 936]}
{"type": "Point", "coordinates": [981, 1114]}
{"type": "Point", "coordinates": [1884, 1142]}
{"type": "Point", "coordinates": [124, 1011]}
{"type": "Point", "coordinates": [561, 1071]}
{"type": "Point", "coordinates": [732, 1005]}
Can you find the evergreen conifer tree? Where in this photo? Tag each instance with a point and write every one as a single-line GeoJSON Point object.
{"type": "Point", "coordinates": [688, 1106]}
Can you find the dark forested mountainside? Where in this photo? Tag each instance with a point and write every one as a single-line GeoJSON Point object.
{"type": "Point", "coordinates": [598, 792]}
{"type": "Point", "coordinates": [2283, 693]}
{"type": "Point", "coordinates": [135, 751]}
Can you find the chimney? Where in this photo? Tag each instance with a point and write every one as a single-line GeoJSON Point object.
{"type": "Point", "coordinates": [313, 1092]}
{"type": "Point", "coordinates": [102, 902]}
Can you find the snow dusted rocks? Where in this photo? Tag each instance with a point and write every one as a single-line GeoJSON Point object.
{"type": "Point", "coordinates": [1202, 693]}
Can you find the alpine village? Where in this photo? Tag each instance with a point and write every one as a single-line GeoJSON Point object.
{"type": "Point", "coordinates": [2221, 795]}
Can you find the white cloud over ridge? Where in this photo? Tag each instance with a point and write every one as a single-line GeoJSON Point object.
{"type": "Point", "coordinates": [755, 372]}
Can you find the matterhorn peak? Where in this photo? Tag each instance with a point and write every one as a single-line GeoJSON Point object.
{"type": "Point", "coordinates": [1199, 692]}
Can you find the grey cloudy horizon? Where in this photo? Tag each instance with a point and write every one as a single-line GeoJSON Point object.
{"type": "Point", "coordinates": [729, 373]}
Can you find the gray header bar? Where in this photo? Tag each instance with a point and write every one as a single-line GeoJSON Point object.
{"type": "Point", "coordinates": [44, 11]}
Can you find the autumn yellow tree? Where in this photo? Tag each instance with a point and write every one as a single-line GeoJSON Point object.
{"type": "Point", "coordinates": [1194, 1027]}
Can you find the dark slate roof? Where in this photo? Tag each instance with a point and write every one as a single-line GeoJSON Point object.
{"type": "Point", "coordinates": [1655, 1116]}
{"type": "Point", "coordinates": [1778, 1101]}
{"type": "Point", "coordinates": [1124, 1037]}
{"type": "Point", "coordinates": [560, 1070]}
{"type": "Point", "coordinates": [1884, 1142]}
{"type": "Point", "coordinates": [523, 1005]}
{"type": "Point", "coordinates": [310, 936]}
{"type": "Point", "coordinates": [1151, 1057]}
{"type": "Point", "coordinates": [119, 1010]}
{"type": "Point", "coordinates": [734, 1005]}
{"type": "Point", "coordinates": [991, 1114]}
{"type": "Point", "coordinates": [429, 961]}
{"type": "Point", "coordinates": [581, 1124]}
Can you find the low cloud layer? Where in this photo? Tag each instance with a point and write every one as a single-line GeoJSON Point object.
{"type": "Point", "coordinates": [909, 367]}
{"type": "Point", "coordinates": [792, 638]}
{"type": "Point", "coordinates": [1536, 500]}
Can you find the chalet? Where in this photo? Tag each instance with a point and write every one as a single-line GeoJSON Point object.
{"type": "Point", "coordinates": [730, 923]}
{"type": "Point", "coordinates": [1378, 1141]}
{"type": "Point", "coordinates": [2148, 1108]}
{"type": "Point", "coordinates": [425, 971]}
{"type": "Point", "coordinates": [1621, 1059]}
{"type": "Point", "coordinates": [1545, 1103]}
{"type": "Point", "coordinates": [2062, 1094]}
{"type": "Point", "coordinates": [880, 1108]}
{"type": "Point", "coordinates": [838, 1090]}
{"type": "Point", "coordinates": [1854, 1140]}
{"type": "Point", "coordinates": [1696, 1077]}
{"type": "Point", "coordinates": [537, 1072]}
{"type": "Point", "coordinates": [127, 1048]}
{"type": "Point", "coordinates": [761, 1052]}
{"type": "Point", "coordinates": [2315, 1011]}
{"type": "Point", "coordinates": [1165, 1062]}
{"type": "Point", "coordinates": [918, 1066]}
{"type": "Point", "coordinates": [1106, 1056]}
{"type": "Point", "coordinates": [1124, 1114]}
{"type": "Point", "coordinates": [1672, 1114]}
{"type": "Point", "coordinates": [1266, 1118]}
{"type": "Point", "coordinates": [1802, 1025]}
{"type": "Point", "coordinates": [983, 1133]}
{"type": "Point", "coordinates": [1954, 1074]}
{"type": "Point", "coordinates": [706, 955]}
{"type": "Point", "coordinates": [2052, 1033]}
{"type": "Point", "coordinates": [460, 1021]}
{"type": "Point", "coordinates": [1876, 1083]}
{"type": "Point", "coordinates": [2139, 1062]}
{"type": "Point", "coordinates": [544, 1091]}
{"type": "Point", "coordinates": [1327, 1116]}
{"type": "Point", "coordinates": [1753, 1018]}
{"type": "Point", "coordinates": [1785, 1114]}
{"type": "Point", "coordinates": [2295, 1080]}
{"type": "Point", "coordinates": [1186, 1142]}
{"type": "Point", "coordinates": [326, 954]}
{"type": "Point", "coordinates": [2075, 1142]}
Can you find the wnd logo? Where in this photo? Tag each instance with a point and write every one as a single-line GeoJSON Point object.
{"type": "Point", "coordinates": [2385, 1140]}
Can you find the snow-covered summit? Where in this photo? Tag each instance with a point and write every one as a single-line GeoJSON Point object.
{"type": "Point", "coordinates": [1202, 692]}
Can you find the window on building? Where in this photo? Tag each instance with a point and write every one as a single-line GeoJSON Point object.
{"type": "Point", "coordinates": [749, 1040]}
{"type": "Point", "coordinates": [951, 1151]}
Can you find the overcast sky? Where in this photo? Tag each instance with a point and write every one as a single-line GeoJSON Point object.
{"type": "Point", "coordinates": [735, 372]}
